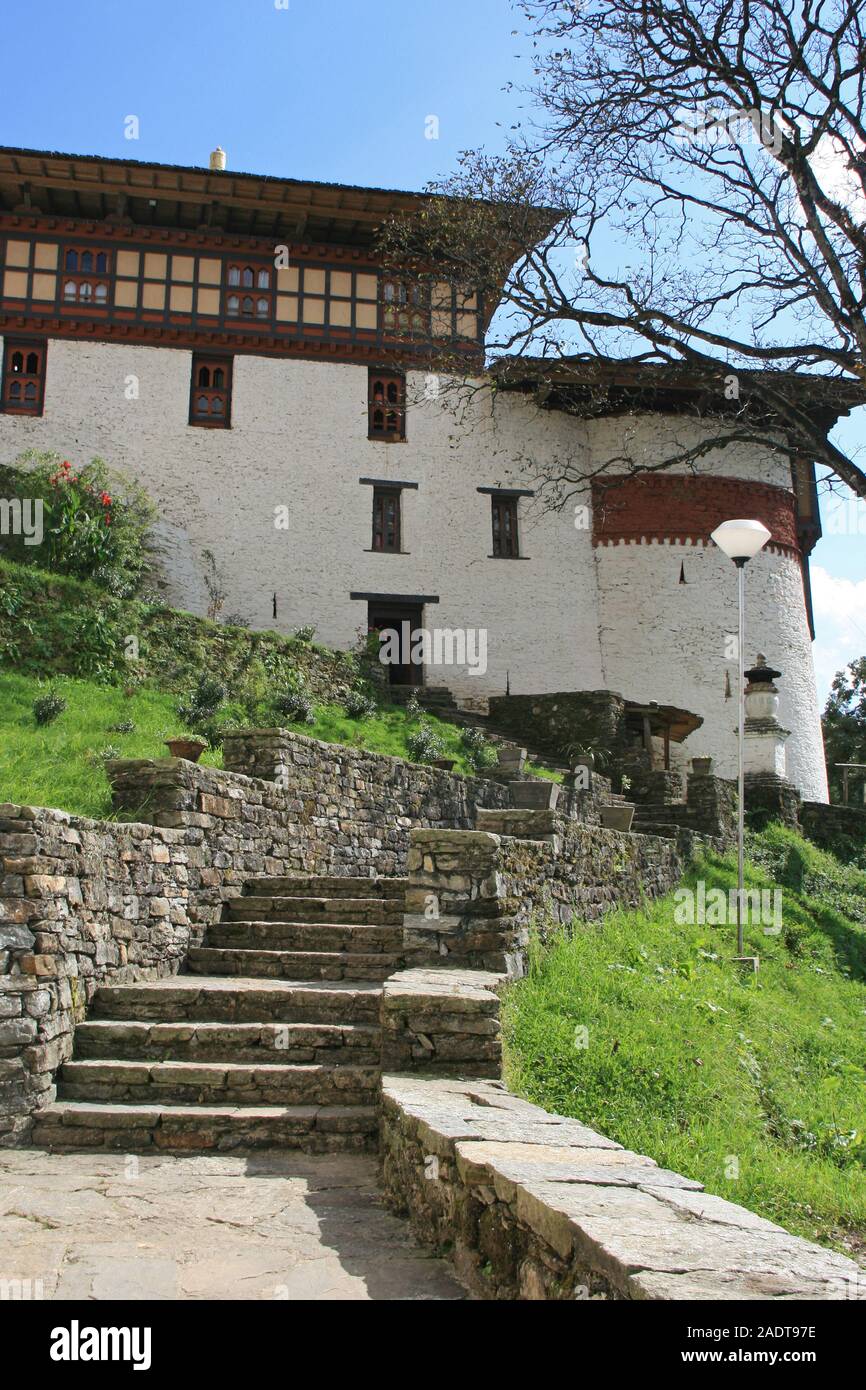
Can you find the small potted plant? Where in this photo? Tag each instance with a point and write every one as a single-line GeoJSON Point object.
{"type": "Point", "coordinates": [186, 747]}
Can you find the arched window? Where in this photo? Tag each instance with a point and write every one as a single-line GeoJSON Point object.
{"type": "Point", "coordinates": [387, 406]}
{"type": "Point", "coordinates": [406, 308]}
{"type": "Point", "coordinates": [248, 306]}
{"type": "Point", "coordinates": [22, 385]}
{"type": "Point", "coordinates": [84, 264]}
{"type": "Point", "coordinates": [210, 397]}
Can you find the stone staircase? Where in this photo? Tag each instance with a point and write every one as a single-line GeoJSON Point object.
{"type": "Point", "coordinates": [272, 1039]}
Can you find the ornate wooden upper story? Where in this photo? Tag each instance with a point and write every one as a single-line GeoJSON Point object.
{"type": "Point", "coordinates": [114, 249]}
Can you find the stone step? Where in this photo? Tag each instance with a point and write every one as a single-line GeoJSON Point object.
{"type": "Point", "coordinates": [216, 1083]}
{"type": "Point", "coordinates": [292, 965]}
{"type": "Point", "coordinates": [265, 1043]}
{"type": "Point", "coordinates": [218, 999]}
{"type": "Point", "coordinates": [375, 912]}
{"type": "Point", "coordinates": [305, 936]}
{"type": "Point", "coordinates": [68, 1125]}
{"type": "Point", "coordinates": [325, 886]}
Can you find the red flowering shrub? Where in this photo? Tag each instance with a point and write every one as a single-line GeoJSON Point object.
{"type": "Point", "coordinates": [94, 523]}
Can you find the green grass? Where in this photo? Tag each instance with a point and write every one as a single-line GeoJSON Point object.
{"type": "Point", "coordinates": [755, 1086]}
{"type": "Point", "coordinates": [59, 764]}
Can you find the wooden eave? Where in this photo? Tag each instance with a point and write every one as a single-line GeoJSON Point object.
{"type": "Point", "coordinates": [606, 386]}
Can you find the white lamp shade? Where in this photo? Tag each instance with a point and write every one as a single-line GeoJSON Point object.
{"type": "Point", "coordinates": [741, 540]}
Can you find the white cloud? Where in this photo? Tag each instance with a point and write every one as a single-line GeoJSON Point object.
{"type": "Point", "coordinates": [840, 625]}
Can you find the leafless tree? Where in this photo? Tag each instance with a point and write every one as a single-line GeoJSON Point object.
{"type": "Point", "coordinates": [689, 189]}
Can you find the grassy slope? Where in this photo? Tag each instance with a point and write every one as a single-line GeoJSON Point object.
{"type": "Point", "coordinates": [59, 764]}
{"type": "Point", "coordinates": [699, 1067]}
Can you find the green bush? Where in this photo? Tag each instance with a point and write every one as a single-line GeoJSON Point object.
{"type": "Point", "coordinates": [478, 750]}
{"type": "Point", "coordinates": [424, 744]}
{"type": "Point", "coordinates": [359, 705]}
{"type": "Point", "coordinates": [201, 707]}
{"type": "Point", "coordinates": [47, 707]}
{"type": "Point", "coordinates": [95, 521]}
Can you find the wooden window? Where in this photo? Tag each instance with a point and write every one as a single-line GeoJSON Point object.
{"type": "Point", "coordinates": [387, 406]}
{"type": "Point", "coordinates": [210, 399]}
{"type": "Point", "coordinates": [86, 272]}
{"type": "Point", "coordinates": [250, 291]}
{"type": "Point", "coordinates": [405, 309]}
{"type": "Point", "coordinates": [505, 543]}
{"type": "Point", "coordinates": [386, 519]}
{"type": "Point", "coordinates": [23, 387]}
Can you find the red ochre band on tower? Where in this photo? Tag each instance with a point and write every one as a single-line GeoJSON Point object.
{"type": "Point", "coordinates": [685, 510]}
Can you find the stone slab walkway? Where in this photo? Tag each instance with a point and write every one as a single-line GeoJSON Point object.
{"type": "Point", "coordinates": [269, 1226]}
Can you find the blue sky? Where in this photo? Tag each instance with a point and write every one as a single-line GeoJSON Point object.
{"type": "Point", "coordinates": [334, 90]}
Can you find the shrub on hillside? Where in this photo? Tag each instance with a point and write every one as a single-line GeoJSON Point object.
{"type": "Point", "coordinates": [478, 750]}
{"type": "Point", "coordinates": [359, 705]}
{"type": "Point", "coordinates": [294, 704]}
{"type": "Point", "coordinates": [424, 744]}
{"type": "Point", "coordinates": [47, 707]}
{"type": "Point", "coordinates": [203, 704]}
{"type": "Point", "coordinates": [305, 634]}
{"type": "Point", "coordinates": [94, 521]}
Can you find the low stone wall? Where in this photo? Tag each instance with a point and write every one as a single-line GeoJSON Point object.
{"type": "Point", "coordinates": [84, 903]}
{"type": "Point", "coordinates": [593, 718]}
{"type": "Point", "coordinates": [301, 806]}
{"type": "Point", "coordinates": [841, 829]}
{"type": "Point", "coordinates": [472, 896]}
{"type": "Point", "coordinates": [442, 1022]}
{"type": "Point", "coordinates": [531, 1205]}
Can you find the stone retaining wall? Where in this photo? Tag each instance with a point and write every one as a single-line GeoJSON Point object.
{"type": "Point", "coordinates": [471, 896]}
{"type": "Point", "coordinates": [84, 903]}
{"type": "Point", "coordinates": [531, 1205]}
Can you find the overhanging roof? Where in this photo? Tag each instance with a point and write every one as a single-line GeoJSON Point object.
{"type": "Point", "coordinates": [175, 195]}
{"type": "Point", "coordinates": [195, 198]}
{"type": "Point", "coordinates": [679, 723]}
{"type": "Point", "coordinates": [600, 386]}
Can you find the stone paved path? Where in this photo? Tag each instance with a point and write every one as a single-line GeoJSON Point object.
{"type": "Point", "coordinates": [269, 1226]}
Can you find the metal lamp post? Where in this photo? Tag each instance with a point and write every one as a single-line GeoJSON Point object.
{"type": "Point", "coordinates": [741, 541]}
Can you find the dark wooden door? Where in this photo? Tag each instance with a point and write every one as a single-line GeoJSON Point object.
{"type": "Point", "coordinates": [393, 616]}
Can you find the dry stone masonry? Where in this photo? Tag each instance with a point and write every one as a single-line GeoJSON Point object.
{"type": "Point", "coordinates": [238, 970]}
{"type": "Point", "coordinates": [535, 1206]}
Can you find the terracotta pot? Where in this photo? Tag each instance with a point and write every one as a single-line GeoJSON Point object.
{"type": "Point", "coordinates": [701, 766]}
{"type": "Point", "coordinates": [534, 795]}
{"type": "Point", "coordinates": [189, 748]}
{"type": "Point", "coordinates": [616, 817]}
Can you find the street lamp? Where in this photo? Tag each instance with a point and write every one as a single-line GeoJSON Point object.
{"type": "Point", "coordinates": [741, 541]}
